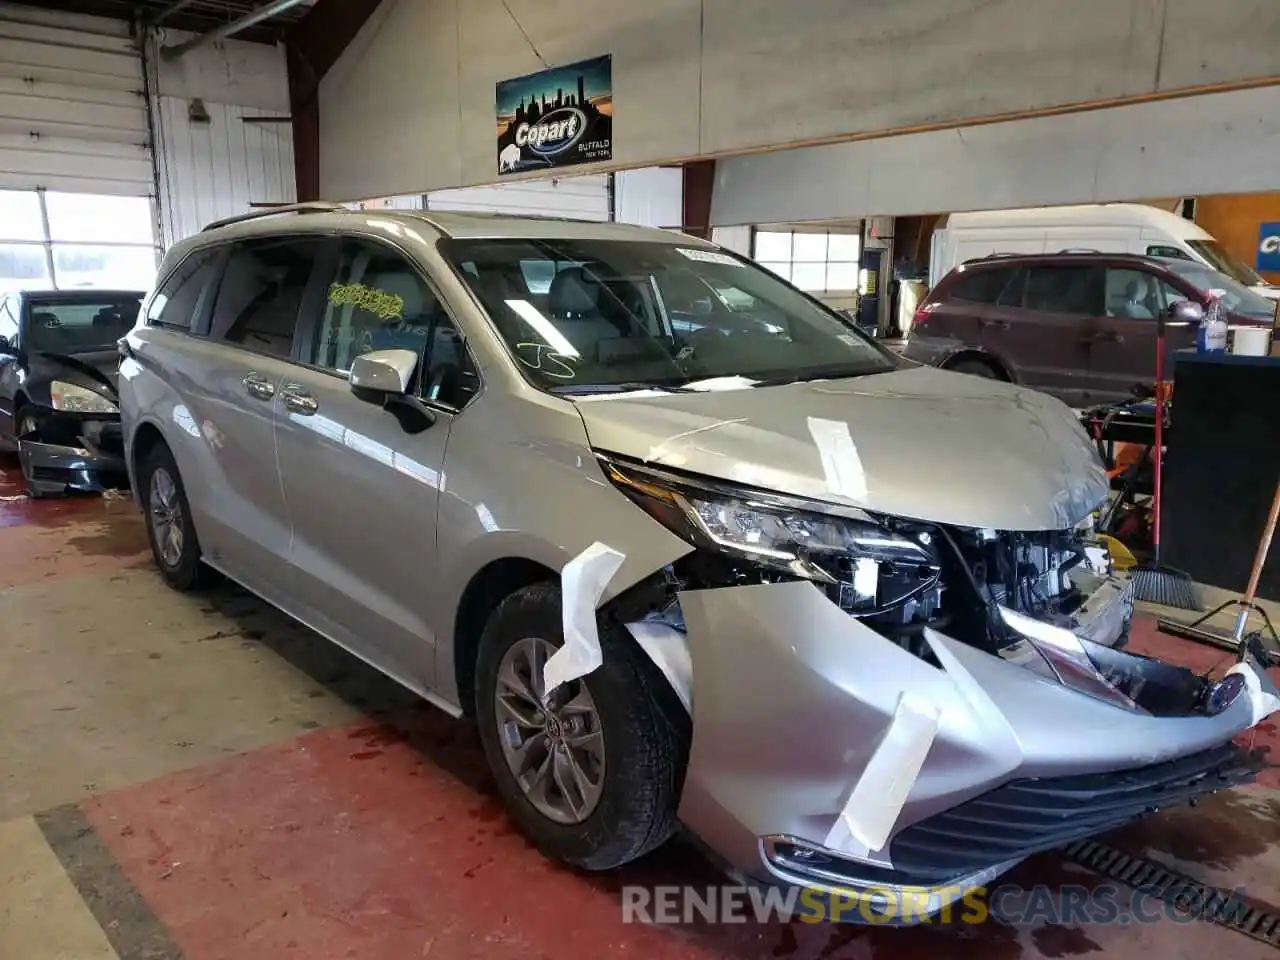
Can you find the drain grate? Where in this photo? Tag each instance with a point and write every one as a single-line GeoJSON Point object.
{"type": "Point", "coordinates": [1222, 907]}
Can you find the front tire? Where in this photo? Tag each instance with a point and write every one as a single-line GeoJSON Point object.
{"type": "Point", "coordinates": [976, 368]}
{"type": "Point", "coordinates": [593, 775]}
{"type": "Point", "coordinates": [168, 517]}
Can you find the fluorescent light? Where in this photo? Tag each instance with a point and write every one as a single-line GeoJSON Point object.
{"type": "Point", "coordinates": [544, 327]}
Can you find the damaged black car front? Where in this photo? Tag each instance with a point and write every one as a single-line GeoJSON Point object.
{"type": "Point", "coordinates": [58, 404]}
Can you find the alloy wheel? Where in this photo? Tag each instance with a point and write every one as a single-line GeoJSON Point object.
{"type": "Point", "coordinates": [165, 512]}
{"type": "Point", "coordinates": [553, 746]}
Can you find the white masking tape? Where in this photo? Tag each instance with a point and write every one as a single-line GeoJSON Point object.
{"type": "Point", "coordinates": [582, 584]}
{"type": "Point", "coordinates": [877, 798]}
{"type": "Point", "coordinates": [840, 461]}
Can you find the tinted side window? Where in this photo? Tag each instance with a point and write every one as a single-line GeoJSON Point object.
{"type": "Point", "coordinates": [1063, 289]}
{"type": "Point", "coordinates": [377, 301]}
{"type": "Point", "coordinates": [1159, 250]}
{"type": "Point", "coordinates": [981, 286]}
{"type": "Point", "coordinates": [261, 293]}
{"type": "Point", "coordinates": [449, 376]}
{"type": "Point", "coordinates": [1133, 294]}
{"type": "Point", "coordinates": [177, 303]}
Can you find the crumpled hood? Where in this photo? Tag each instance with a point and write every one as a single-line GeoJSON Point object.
{"type": "Point", "coordinates": [936, 446]}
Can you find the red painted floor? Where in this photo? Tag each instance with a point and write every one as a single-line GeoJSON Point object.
{"type": "Point", "coordinates": [383, 841]}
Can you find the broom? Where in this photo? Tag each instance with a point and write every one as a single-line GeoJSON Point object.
{"type": "Point", "coordinates": [1152, 581]}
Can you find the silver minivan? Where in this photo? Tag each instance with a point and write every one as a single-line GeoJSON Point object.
{"type": "Point", "coordinates": [691, 550]}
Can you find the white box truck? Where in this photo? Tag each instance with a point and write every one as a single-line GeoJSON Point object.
{"type": "Point", "coordinates": [1101, 228]}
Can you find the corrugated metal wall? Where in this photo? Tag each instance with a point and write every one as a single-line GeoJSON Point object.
{"type": "Point", "coordinates": [219, 168]}
{"type": "Point", "coordinates": [580, 198]}
{"type": "Point", "coordinates": [72, 109]}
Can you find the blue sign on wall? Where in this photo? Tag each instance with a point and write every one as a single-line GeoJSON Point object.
{"type": "Point", "coordinates": [1269, 246]}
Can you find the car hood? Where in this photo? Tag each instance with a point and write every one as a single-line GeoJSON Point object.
{"type": "Point", "coordinates": [937, 446]}
{"type": "Point", "coordinates": [97, 371]}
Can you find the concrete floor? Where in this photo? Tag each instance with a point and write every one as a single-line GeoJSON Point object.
{"type": "Point", "coordinates": [195, 776]}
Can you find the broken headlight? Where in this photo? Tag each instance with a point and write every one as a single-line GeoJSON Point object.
{"type": "Point", "coordinates": [865, 566]}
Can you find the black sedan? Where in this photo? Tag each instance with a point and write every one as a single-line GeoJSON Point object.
{"type": "Point", "coordinates": [58, 401]}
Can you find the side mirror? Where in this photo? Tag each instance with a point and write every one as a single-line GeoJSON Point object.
{"type": "Point", "coordinates": [384, 371]}
{"type": "Point", "coordinates": [384, 376]}
{"type": "Point", "coordinates": [1186, 311]}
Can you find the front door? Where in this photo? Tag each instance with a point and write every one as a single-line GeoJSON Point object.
{"type": "Point", "coordinates": [1122, 341]}
{"type": "Point", "coordinates": [363, 484]}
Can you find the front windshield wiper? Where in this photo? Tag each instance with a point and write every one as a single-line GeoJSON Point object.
{"type": "Point", "coordinates": [805, 376]}
{"type": "Point", "coordinates": [627, 387]}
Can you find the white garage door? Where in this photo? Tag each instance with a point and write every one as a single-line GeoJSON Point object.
{"type": "Point", "coordinates": [72, 112]}
{"type": "Point", "coordinates": [579, 198]}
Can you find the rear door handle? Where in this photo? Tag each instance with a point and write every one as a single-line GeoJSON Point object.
{"type": "Point", "coordinates": [998, 324]}
{"type": "Point", "coordinates": [258, 386]}
{"type": "Point", "coordinates": [297, 399]}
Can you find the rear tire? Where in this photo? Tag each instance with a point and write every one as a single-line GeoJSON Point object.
{"type": "Point", "coordinates": [645, 742]}
{"type": "Point", "coordinates": [172, 535]}
{"type": "Point", "coordinates": [977, 368]}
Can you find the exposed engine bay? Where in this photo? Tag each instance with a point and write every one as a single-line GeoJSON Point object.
{"type": "Point", "coordinates": [1043, 600]}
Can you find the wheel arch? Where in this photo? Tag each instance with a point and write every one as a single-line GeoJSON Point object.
{"type": "Point", "coordinates": [487, 588]}
{"type": "Point", "coordinates": [977, 355]}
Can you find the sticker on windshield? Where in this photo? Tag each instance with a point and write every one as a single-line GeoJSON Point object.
{"type": "Point", "coordinates": [848, 339]}
{"type": "Point", "coordinates": [709, 256]}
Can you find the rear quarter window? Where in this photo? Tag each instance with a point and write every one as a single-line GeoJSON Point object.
{"type": "Point", "coordinates": [979, 286]}
{"type": "Point", "coordinates": [179, 299]}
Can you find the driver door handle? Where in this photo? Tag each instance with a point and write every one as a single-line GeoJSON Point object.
{"type": "Point", "coordinates": [258, 386]}
{"type": "Point", "coordinates": [998, 324]}
{"type": "Point", "coordinates": [1107, 336]}
{"type": "Point", "coordinates": [297, 399]}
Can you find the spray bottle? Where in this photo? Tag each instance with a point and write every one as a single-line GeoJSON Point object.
{"type": "Point", "coordinates": [1211, 337]}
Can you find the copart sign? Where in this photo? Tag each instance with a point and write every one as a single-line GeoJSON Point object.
{"type": "Point", "coordinates": [1269, 247]}
{"type": "Point", "coordinates": [557, 117]}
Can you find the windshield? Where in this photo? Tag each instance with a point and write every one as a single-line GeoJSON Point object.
{"type": "Point", "coordinates": [587, 315]}
{"type": "Point", "coordinates": [1217, 257]}
{"type": "Point", "coordinates": [1236, 297]}
{"type": "Point", "coordinates": [80, 326]}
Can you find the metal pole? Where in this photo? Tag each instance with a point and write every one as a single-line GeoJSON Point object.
{"type": "Point", "coordinates": [48, 238]}
{"type": "Point", "coordinates": [236, 26]}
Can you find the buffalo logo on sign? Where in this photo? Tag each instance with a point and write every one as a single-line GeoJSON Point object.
{"type": "Point", "coordinates": [1269, 247]}
{"type": "Point", "coordinates": [557, 117]}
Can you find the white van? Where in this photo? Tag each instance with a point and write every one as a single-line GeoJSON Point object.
{"type": "Point", "coordinates": [1101, 228]}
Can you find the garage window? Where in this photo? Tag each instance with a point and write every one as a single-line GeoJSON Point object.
{"type": "Point", "coordinates": [72, 240]}
{"type": "Point", "coordinates": [817, 262]}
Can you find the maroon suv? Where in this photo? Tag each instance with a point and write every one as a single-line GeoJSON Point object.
{"type": "Point", "coordinates": [1081, 326]}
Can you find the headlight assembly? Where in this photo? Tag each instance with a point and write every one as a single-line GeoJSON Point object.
{"type": "Point", "coordinates": [74, 399]}
{"type": "Point", "coordinates": [865, 566]}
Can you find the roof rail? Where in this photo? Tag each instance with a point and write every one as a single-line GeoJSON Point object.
{"type": "Point", "coordinates": [311, 206]}
{"type": "Point", "coordinates": [1079, 250]}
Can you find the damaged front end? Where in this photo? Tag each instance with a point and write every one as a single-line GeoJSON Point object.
{"type": "Point", "coordinates": [889, 703]}
{"type": "Point", "coordinates": [68, 452]}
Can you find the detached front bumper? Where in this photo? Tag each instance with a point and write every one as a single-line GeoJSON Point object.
{"type": "Point", "coordinates": [73, 454]}
{"type": "Point", "coordinates": [792, 699]}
